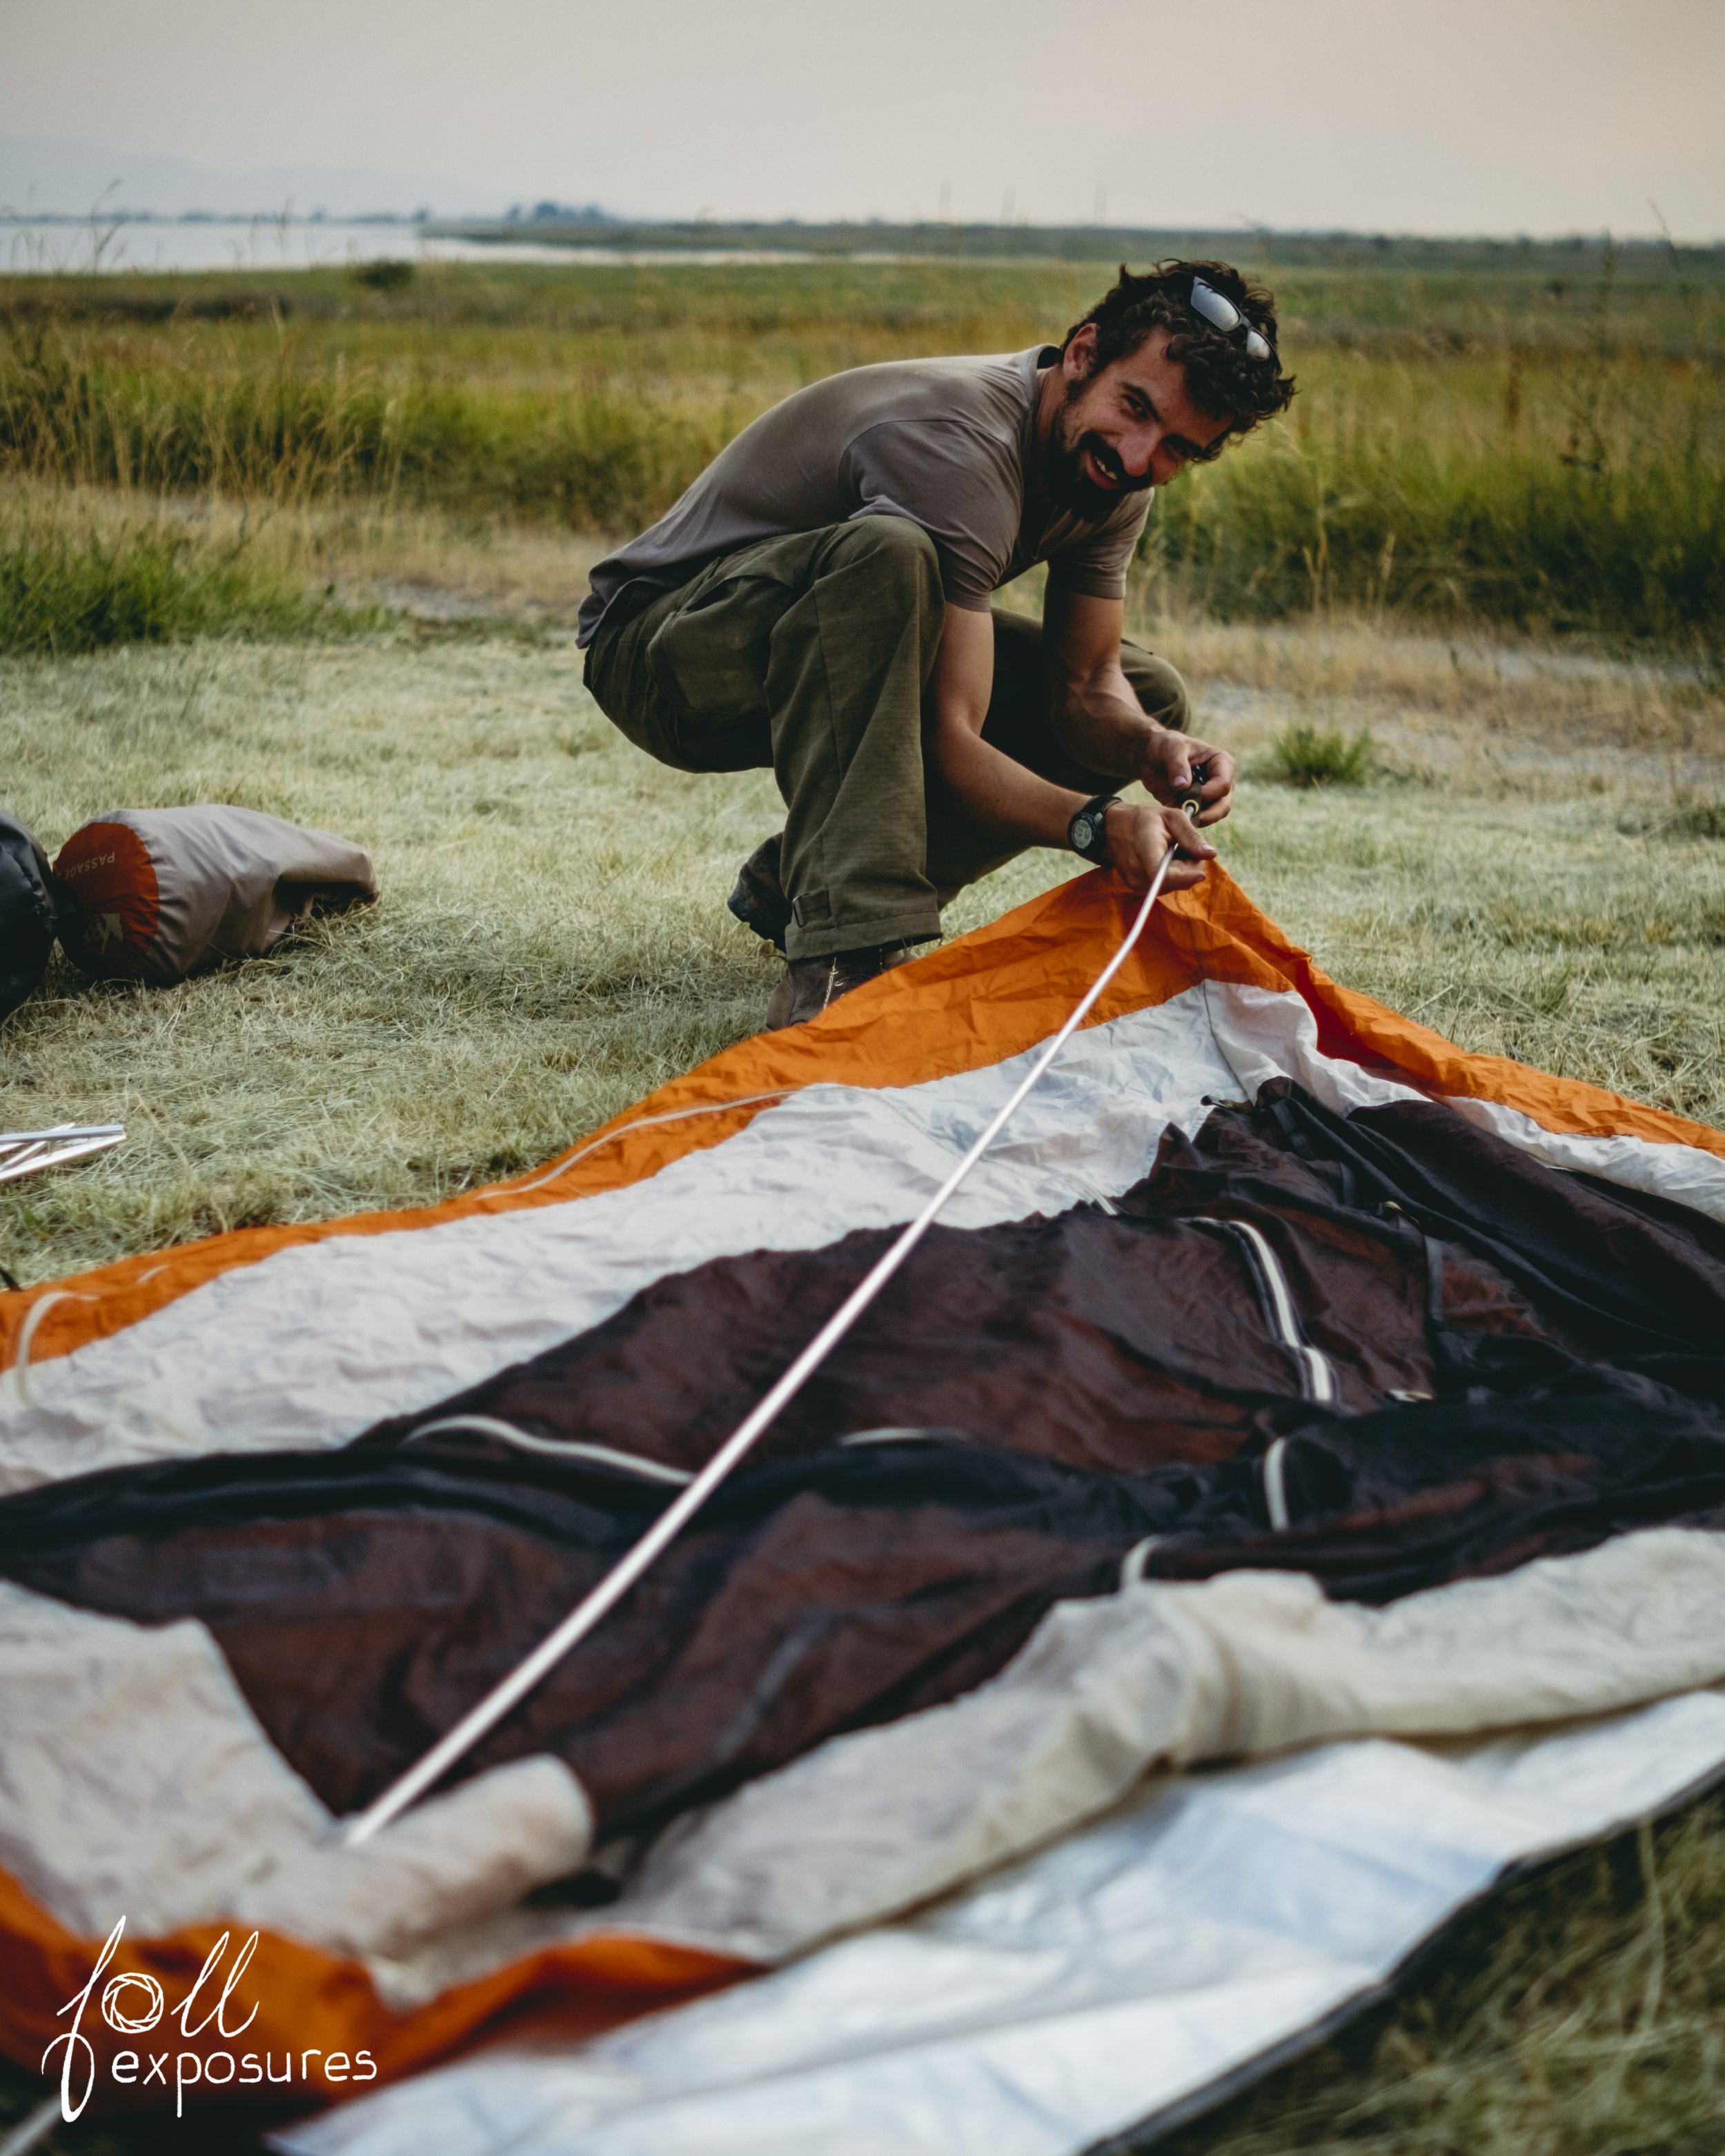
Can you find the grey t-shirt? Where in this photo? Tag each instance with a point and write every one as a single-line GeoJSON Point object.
{"type": "Point", "coordinates": [942, 442]}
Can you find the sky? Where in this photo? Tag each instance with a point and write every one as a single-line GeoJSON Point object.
{"type": "Point", "coordinates": [1398, 115]}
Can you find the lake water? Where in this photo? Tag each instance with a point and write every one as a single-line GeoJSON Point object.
{"type": "Point", "coordinates": [267, 242]}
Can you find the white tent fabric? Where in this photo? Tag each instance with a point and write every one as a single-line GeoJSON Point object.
{"type": "Point", "coordinates": [1109, 1979]}
{"type": "Point", "coordinates": [135, 1778]}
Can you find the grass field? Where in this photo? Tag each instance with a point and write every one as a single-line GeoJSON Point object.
{"type": "Point", "coordinates": [552, 940]}
{"type": "Point", "coordinates": [1533, 863]}
{"type": "Point", "coordinates": [1536, 436]}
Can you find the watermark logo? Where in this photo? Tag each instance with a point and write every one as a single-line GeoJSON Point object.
{"type": "Point", "coordinates": [132, 2003]}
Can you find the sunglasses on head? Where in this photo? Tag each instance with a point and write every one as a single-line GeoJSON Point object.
{"type": "Point", "coordinates": [1217, 308]}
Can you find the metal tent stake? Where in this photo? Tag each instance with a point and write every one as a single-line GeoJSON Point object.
{"type": "Point", "coordinates": [27, 1153]}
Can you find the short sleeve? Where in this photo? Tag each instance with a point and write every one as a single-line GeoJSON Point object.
{"type": "Point", "coordinates": [955, 481]}
{"type": "Point", "coordinates": [1094, 560]}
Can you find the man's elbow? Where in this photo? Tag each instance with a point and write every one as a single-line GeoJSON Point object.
{"type": "Point", "coordinates": [952, 750]}
{"type": "Point", "coordinates": [1073, 700]}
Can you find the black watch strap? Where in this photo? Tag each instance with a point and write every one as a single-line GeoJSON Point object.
{"type": "Point", "coordinates": [1087, 832]}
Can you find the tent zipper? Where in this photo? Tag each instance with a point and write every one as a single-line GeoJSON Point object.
{"type": "Point", "coordinates": [1318, 1374]}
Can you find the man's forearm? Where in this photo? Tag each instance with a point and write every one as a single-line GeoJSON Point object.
{"type": "Point", "coordinates": [998, 795]}
{"type": "Point", "coordinates": [1098, 721]}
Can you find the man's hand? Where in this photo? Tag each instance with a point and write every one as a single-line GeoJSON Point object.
{"type": "Point", "coordinates": [1168, 761]}
{"type": "Point", "coordinates": [1138, 837]}
{"type": "Point", "coordinates": [1000, 796]}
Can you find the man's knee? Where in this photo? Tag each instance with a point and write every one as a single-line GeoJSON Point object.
{"type": "Point", "coordinates": [1157, 686]}
{"type": "Point", "coordinates": [891, 548]}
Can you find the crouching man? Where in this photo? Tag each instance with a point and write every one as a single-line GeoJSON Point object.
{"type": "Point", "coordinates": [818, 601]}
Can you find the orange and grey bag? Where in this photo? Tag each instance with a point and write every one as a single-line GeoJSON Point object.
{"type": "Point", "coordinates": [159, 893]}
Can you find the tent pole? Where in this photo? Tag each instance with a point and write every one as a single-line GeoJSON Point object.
{"type": "Point", "coordinates": [33, 2129]}
{"type": "Point", "coordinates": [480, 1720]}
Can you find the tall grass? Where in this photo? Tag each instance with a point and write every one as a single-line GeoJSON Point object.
{"type": "Point", "coordinates": [1550, 454]}
{"type": "Point", "coordinates": [1370, 497]}
{"type": "Point", "coordinates": [62, 595]}
{"type": "Point", "coordinates": [288, 432]}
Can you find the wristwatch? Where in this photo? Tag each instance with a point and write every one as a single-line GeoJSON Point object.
{"type": "Point", "coordinates": [1087, 832]}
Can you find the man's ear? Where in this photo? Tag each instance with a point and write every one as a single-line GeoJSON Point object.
{"type": "Point", "coordinates": [1079, 359]}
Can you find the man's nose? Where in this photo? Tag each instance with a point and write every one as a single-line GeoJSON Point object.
{"type": "Point", "coordinates": [1138, 451]}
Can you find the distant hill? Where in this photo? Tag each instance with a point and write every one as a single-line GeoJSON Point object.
{"type": "Point", "coordinates": [549, 226]}
{"type": "Point", "coordinates": [56, 176]}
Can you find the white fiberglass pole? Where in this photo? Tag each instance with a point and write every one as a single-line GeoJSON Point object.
{"type": "Point", "coordinates": [480, 1720]}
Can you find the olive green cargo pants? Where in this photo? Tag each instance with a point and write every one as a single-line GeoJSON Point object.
{"type": "Point", "coordinates": [809, 655]}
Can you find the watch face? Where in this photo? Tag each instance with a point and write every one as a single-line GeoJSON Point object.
{"type": "Point", "coordinates": [1088, 831]}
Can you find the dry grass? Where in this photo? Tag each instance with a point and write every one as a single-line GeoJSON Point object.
{"type": "Point", "coordinates": [549, 945]}
{"type": "Point", "coordinates": [449, 567]}
{"type": "Point", "coordinates": [552, 941]}
{"type": "Point", "coordinates": [1483, 685]}
{"type": "Point", "coordinates": [1528, 901]}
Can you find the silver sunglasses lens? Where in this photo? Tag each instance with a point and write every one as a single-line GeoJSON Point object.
{"type": "Point", "coordinates": [1210, 303]}
{"type": "Point", "coordinates": [1216, 307]}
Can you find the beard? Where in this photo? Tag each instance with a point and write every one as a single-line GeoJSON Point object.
{"type": "Point", "coordinates": [1069, 487]}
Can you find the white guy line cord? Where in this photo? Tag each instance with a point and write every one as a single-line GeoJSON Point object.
{"type": "Point", "coordinates": [33, 2129]}
{"type": "Point", "coordinates": [555, 1448]}
{"type": "Point", "coordinates": [480, 1720]}
{"type": "Point", "coordinates": [26, 1337]}
{"type": "Point", "coordinates": [640, 1123]}
{"type": "Point", "coordinates": [104, 1135]}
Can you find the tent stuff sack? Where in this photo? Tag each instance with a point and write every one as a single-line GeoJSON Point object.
{"type": "Point", "coordinates": [1286, 1388]}
{"type": "Point", "coordinates": [156, 894]}
{"type": "Point", "coordinates": [28, 912]}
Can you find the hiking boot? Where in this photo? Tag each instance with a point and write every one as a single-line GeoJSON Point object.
{"type": "Point", "coordinates": [758, 899]}
{"type": "Point", "coordinates": [810, 984]}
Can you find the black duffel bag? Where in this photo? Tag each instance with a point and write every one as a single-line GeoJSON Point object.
{"type": "Point", "coordinates": [29, 914]}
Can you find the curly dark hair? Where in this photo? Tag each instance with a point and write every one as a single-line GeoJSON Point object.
{"type": "Point", "coordinates": [1221, 374]}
